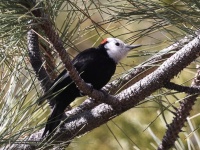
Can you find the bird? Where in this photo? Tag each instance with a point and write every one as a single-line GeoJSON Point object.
{"type": "Point", "coordinates": [96, 66]}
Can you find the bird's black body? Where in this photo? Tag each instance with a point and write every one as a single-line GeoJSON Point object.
{"type": "Point", "coordinates": [94, 66]}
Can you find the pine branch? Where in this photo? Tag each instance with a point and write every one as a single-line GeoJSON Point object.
{"type": "Point", "coordinates": [36, 61]}
{"type": "Point", "coordinates": [180, 118]}
{"type": "Point", "coordinates": [181, 88]}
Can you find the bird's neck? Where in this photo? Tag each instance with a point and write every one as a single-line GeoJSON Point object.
{"type": "Point", "coordinates": [105, 53]}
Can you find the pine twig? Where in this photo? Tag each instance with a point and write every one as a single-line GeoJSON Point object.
{"type": "Point", "coordinates": [180, 118]}
{"type": "Point", "coordinates": [181, 88]}
{"type": "Point", "coordinates": [49, 61]}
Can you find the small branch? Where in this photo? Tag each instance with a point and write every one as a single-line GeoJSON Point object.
{"type": "Point", "coordinates": [54, 38]}
{"type": "Point", "coordinates": [181, 88]}
{"type": "Point", "coordinates": [180, 118]}
{"type": "Point", "coordinates": [34, 52]}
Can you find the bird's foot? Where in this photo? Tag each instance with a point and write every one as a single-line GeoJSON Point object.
{"type": "Point", "coordinates": [104, 93]}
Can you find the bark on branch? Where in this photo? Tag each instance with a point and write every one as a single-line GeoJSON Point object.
{"type": "Point", "coordinates": [36, 61]}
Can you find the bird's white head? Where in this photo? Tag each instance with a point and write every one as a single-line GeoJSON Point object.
{"type": "Point", "coordinates": [116, 48]}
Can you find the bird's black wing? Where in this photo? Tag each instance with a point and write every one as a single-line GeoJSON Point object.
{"type": "Point", "coordinates": [63, 75]}
{"type": "Point", "coordinates": [84, 58]}
{"type": "Point", "coordinates": [64, 72]}
{"type": "Point", "coordinates": [79, 64]}
{"type": "Point", "coordinates": [95, 67]}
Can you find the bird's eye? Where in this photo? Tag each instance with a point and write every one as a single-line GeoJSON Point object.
{"type": "Point", "coordinates": [117, 44]}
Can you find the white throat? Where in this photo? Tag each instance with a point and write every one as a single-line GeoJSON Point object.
{"type": "Point", "coordinates": [116, 55]}
{"type": "Point", "coordinates": [117, 49]}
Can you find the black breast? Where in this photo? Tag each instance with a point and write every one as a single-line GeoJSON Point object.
{"type": "Point", "coordinates": [95, 67]}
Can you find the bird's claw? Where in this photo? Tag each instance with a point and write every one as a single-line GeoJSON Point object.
{"type": "Point", "coordinates": [104, 92]}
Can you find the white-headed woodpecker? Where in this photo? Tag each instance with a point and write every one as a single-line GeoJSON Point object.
{"type": "Point", "coordinates": [95, 66]}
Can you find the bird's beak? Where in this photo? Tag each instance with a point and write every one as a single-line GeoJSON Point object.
{"type": "Point", "coordinates": [130, 47]}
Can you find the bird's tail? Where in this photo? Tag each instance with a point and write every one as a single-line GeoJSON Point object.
{"type": "Point", "coordinates": [53, 120]}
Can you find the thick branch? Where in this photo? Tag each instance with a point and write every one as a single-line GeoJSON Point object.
{"type": "Point", "coordinates": [133, 95]}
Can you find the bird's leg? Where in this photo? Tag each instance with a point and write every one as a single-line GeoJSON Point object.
{"type": "Point", "coordinates": [104, 93]}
